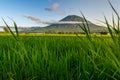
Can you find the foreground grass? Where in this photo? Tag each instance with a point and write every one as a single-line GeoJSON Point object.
{"type": "Point", "coordinates": [59, 58]}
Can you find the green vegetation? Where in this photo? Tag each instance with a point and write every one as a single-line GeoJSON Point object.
{"type": "Point", "coordinates": [61, 57]}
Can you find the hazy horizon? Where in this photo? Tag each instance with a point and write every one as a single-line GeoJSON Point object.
{"type": "Point", "coordinates": [32, 13]}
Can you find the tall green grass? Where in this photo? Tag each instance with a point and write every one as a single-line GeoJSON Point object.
{"type": "Point", "coordinates": [61, 58]}
{"type": "Point", "coordinates": [51, 58]}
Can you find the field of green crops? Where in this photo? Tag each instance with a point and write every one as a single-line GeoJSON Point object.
{"type": "Point", "coordinates": [59, 58]}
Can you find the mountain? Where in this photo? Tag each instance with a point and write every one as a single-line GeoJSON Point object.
{"type": "Point", "coordinates": [30, 28]}
{"type": "Point", "coordinates": [70, 24]}
{"type": "Point", "coordinates": [21, 29]}
{"type": "Point", "coordinates": [72, 18]}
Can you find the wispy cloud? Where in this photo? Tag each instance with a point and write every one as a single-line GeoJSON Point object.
{"type": "Point", "coordinates": [37, 20]}
{"type": "Point", "coordinates": [54, 7]}
{"type": "Point", "coordinates": [64, 22]}
{"type": "Point", "coordinates": [33, 18]}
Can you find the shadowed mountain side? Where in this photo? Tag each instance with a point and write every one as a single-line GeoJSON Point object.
{"type": "Point", "coordinates": [67, 27]}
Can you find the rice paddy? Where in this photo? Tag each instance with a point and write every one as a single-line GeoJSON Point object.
{"type": "Point", "coordinates": [59, 57]}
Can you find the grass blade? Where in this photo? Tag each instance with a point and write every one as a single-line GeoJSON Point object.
{"type": "Point", "coordinates": [87, 26]}
{"type": "Point", "coordinates": [109, 28]}
{"type": "Point", "coordinates": [114, 10]}
{"type": "Point", "coordinates": [16, 29]}
{"type": "Point", "coordinates": [9, 29]}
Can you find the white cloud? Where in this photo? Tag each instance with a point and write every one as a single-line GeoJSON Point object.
{"type": "Point", "coordinates": [33, 18]}
{"type": "Point", "coordinates": [64, 22]}
{"type": "Point", "coordinates": [37, 20]}
{"type": "Point", "coordinates": [54, 7]}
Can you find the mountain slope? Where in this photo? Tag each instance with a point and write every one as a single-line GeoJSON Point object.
{"type": "Point", "coordinates": [65, 26]}
{"type": "Point", "coordinates": [72, 18]}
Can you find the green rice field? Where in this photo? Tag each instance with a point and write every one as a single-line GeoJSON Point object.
{"type": "Point", "coordinates": [59, 58]}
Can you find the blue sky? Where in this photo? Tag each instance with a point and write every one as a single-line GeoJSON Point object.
{"type": "Point", "coordinates": [36, 12]}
